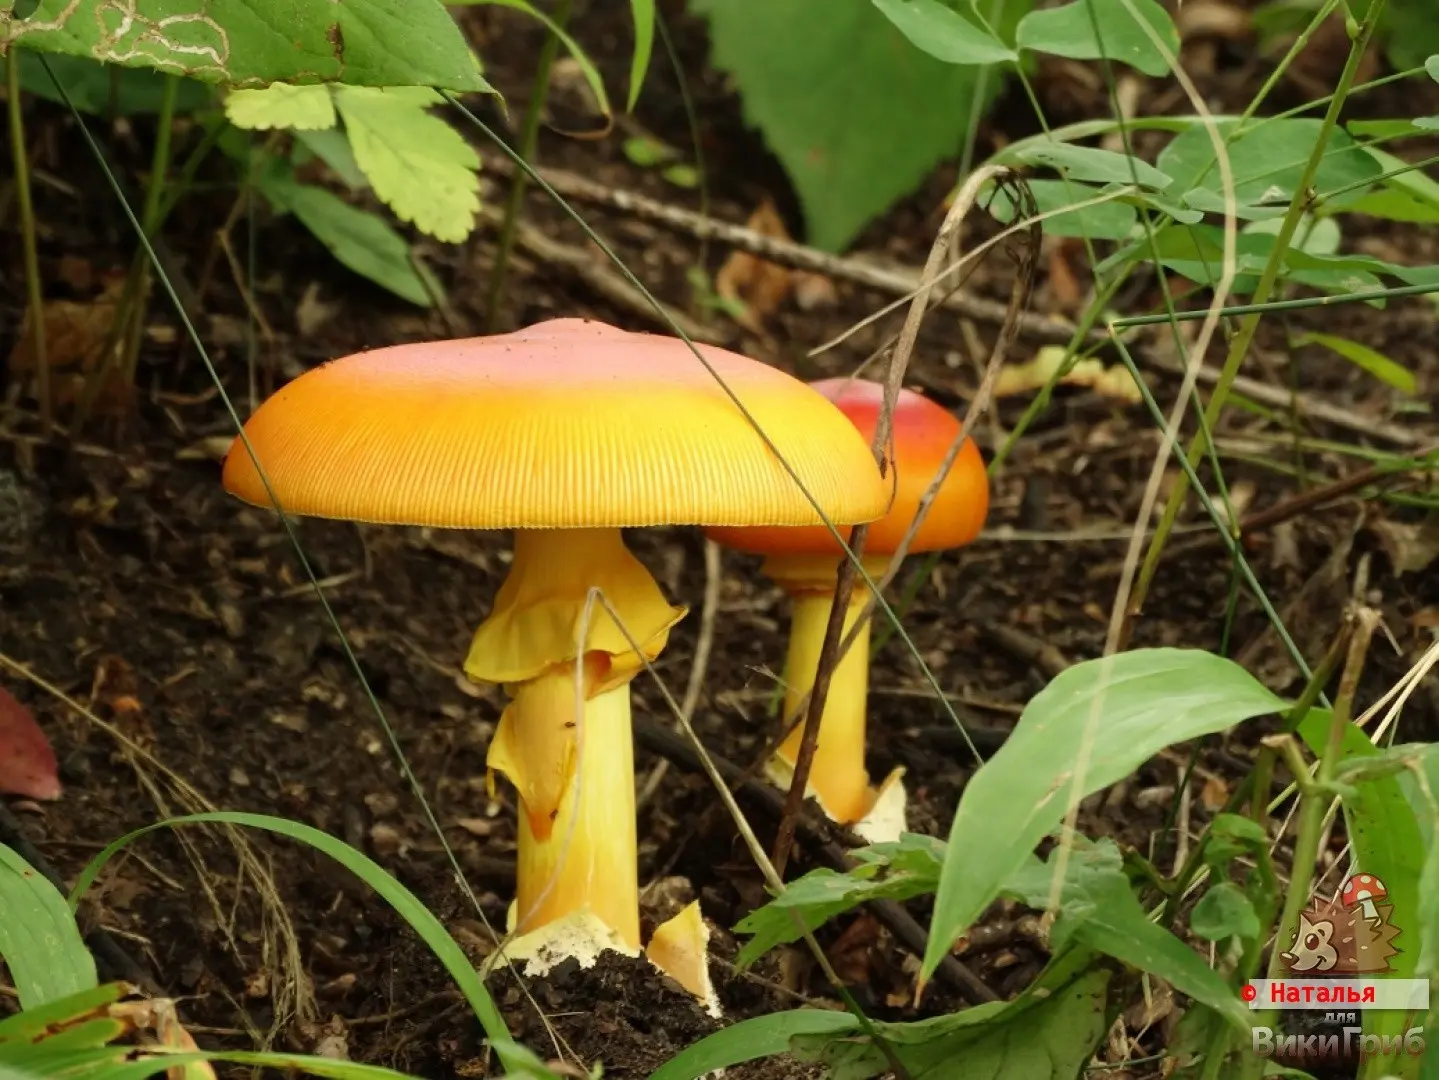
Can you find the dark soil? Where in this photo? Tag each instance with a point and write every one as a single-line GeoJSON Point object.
{"type": "Point", "coordinates": [130, 582]}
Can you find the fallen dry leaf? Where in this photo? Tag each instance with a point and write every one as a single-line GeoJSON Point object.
{"type": "Point", "coordinates": [27, 762]}
{"type": "Point", "coordinates": [757, 286]}
{"type": "Point", "coordinates": [1064, 284]}
{"type": "Point", "coordinates": [1112, 382]}
{"type": "Point", "coordinates": [1410, 547]}
{"type": "Point", "coordinates": [75, 336]}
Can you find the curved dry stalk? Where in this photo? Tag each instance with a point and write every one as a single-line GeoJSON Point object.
{"type": "Point", "coordinates": [945, 244]}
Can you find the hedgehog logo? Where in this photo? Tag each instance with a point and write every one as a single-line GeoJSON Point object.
{"type": "Point", "coordinates": [1348, 936]}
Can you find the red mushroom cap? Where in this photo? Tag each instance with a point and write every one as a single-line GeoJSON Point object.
{"type": "Point", "coordinates": [1363, 887]}
{"type": "Point", "coordinates": [923, 433]}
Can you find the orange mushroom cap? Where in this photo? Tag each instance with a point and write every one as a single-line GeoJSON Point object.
{"type": "Point", "coordinates": [923, 433]}
{"type": "Point", "coordinates": [569, 423]}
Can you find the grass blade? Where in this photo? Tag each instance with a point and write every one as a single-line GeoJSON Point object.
{"type": "Point", "coordinates": [517, 1060]}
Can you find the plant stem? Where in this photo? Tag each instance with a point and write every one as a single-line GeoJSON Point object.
{"type": "Point", "coordinates": [529, 137]}
{"type": "Point", "coordinates": [150, 221]}
{"type": "Point", "coordinates": [1243, 338]}
{"type": "Point", "coordinates": [35, 301]}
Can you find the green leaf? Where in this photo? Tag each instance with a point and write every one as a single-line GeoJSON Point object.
{"type": "Point", "coordinates": [1383, 827]}
{"type": "Point", "coordinates": [895, 871]}
{"type": "Point", "coordinates": [31, 1039]}
{"type": "Point", "coordinates": [279, 105]}
{"type": "Point", "coordinates": [1431, 65]}
{"type": "Point", "coordinates": [1098, 908]}
{"type": "Point", "coordinates": [648, 152]}
{"type": "Point", "coordinates": [1381, 130]}
{"type": "Point", "coordinates": [39, 941]}
{"type": "Point", "coordinates": [1113, 714]}
{"type": "Point", "coordinates": [750, 1040]}
{"type": "Point", "coordinates": [1111, 220]}
{"type": "Point", "coordinates": [1069, 30]}
{"type": "Point", "coordinates": [856, 115]}
{"type": "Point", "coordinates": [406, 904]}
{"type": "Point", "coordinates": [1089, 163]}
{"type": "Point", "coordinates": [1224, 912]}
{"type": "Point", "coordinates": [1394, 205]}
{"type": "Point", "coordinates": [1315, 236]}
{"type": "Point", "coordinates": [1362, 356]}
{"type": "Point", "coordinates": [358, 239]}
{"type": "Point", "coordinates": [1413, 182]}
{"type": "Point", "coordinates": [643, 14]}
{"type": "Point", "coordinates": [420, 166]}
{"type": "Point", "coordinates": [252, 43]}
{"type": "Point", "coordinates": [1267, 162]}
{"type": "Point", "coordinates": [1049, 1032]}
{"type": "Point", "coordinates": [944, 33]}
{"type": "Point", "coordinates": [100, 89]}
{"type": "Point", "coordinates": [333, 148]}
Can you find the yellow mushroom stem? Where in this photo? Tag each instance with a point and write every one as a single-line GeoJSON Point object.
{"type": "Point", "coordinates": [576, 850]}
{"type": "Point", "coordinates": [838, 777]}
{"type": "Point", "coordinates": [564, 740]}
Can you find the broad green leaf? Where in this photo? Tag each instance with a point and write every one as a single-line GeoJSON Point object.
{"type": "Point", "coordinates": [1384, 830]}
{"type": "Point", "coordinates": [1267, 162]}
{"type": "Point", "coordinates": [1224, 912]}
{"type": "Point", "coordinates": [1197, 253]}
{"type": "Point", "coordinates": [1413, 182]}
{"type": "Point", "coordinates": [1069, 30]}
{"type": "Point", "coordinates": [1090, 163]}
{"type": "Point", "coordinates": [1431, 65]}
{"type": "Point", "coordinates": [1098, 908]}
{"type": "Point", "coordinates": [1319, 236]}
{"type": "Point", "coordinates": [407, 905]}
{"type": "Point", "coordinates": [280, 105]}
{"type": "Point", "coordinates": [39, 941]}
{"type": "Point", "coordinates": [857, 115]}
{"type": "Point", "coordinates": [103, 90]}
{"type": "Point", "coordinates": [1113, 714]}
{"type": "Point", "coordinates": [333, 148]}
{"type": "Point", "coordinates": [252, 43]}
{"type": "Point", "coordinates": [1362, 356]}
{"type": "Point", "coordinates": [895, 871]}
{"type": "Point", "coordinates": [420, 166]}
{"type": "Point", "coordinates": [1049, 1032]}
{"type": "Point", "coordinates": [580, 57]}
{"type": "Point", "coordinates": [749, 1040]}
{"type": "Point", "coordinates": [944, 33]}
{"type": "Point", "coordinates": [1109, 220]}
{"type": "Point", "coordinates": [642, 12]}
{"type": "Point", "coordinates": [358, 239]}
{"type": "Point", "coordinates": [1382, 130]}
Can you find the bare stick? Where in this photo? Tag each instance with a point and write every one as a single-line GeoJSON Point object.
{"type": "Point", "coordinates": [896, 281]}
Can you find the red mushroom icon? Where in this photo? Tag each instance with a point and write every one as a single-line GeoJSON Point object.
{"type": "Point", "coordinates": [1362, 890]}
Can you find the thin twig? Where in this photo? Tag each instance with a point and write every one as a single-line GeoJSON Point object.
{"type": "Point", "coordinates": [895, 281]}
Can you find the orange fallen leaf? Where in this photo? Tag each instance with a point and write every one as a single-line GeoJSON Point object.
{"type": "Point", "coordinates": [756, 286]}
